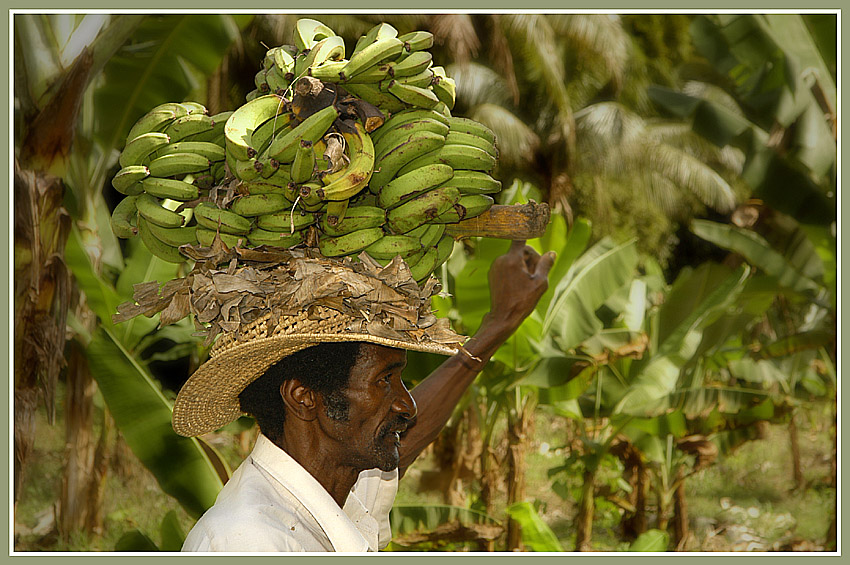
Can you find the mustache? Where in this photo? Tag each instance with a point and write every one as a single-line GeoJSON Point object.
{"type": "Point", "coordinates": [398, 424]}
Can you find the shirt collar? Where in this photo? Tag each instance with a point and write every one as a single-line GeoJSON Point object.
{"type": "Point", "coordinates": [342, 532]}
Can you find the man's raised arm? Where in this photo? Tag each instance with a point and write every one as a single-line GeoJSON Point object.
{"type": "Point", "coordinates": [517, 281]}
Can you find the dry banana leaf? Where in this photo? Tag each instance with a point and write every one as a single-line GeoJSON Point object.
{"type": "Point", "coordinates": [385, 301]}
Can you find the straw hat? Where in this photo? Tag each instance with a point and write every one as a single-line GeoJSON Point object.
{"type": "Point", "coordinates": [209, 398]}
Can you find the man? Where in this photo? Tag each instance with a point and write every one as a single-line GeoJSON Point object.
{"type": "Point", "coordinates": [339, 427]}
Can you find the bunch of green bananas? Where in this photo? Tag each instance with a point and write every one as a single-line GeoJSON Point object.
{"type": "Point", "coordinates": [302, 179]}
{"type": "Point", "coordinates": [173, 154]}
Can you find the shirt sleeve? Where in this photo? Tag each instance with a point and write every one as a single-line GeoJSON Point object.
{"type": "Point", "coordinates": [376, 490]}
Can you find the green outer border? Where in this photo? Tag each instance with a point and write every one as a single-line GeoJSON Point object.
{"type": "Point", "coordinates": [656, 6]}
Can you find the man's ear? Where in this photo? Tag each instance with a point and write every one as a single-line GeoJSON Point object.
{"type": "Point", "coordinates": [301, 401]}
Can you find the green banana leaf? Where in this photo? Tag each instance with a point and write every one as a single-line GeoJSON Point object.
{"type": "Point", "coordinates": [651, 540]}
{"type": "Point", "coordinates": [536, 534]}
{"type": "Point", "coordinates": [171, 533]}
{"type": "Point", "coordinates": [158, 65]}
{"type": "Point", "coordinates": [600, 272]}
{"type": "Point", "coordinates": [406, 518]}
{"type": "Point", "coordinates": [100, 296]}
{"type": "Point", "coordinates": [757, 251]}
{"type": "Point", "coordinates": [135, 541]}
{"type": "Point", "coordinates": [696, 300]}
{"type": "Point", "coordinates": [180, 465]}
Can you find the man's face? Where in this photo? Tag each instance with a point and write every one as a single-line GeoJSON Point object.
{"type": "Point", "coordinates": [379, 408]}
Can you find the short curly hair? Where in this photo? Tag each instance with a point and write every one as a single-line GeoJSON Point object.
{"type": "Point", "coordinates": [324, 368]}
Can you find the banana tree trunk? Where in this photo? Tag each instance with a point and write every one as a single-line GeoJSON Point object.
{"type": "Point", "coordinates": [796, 464]}
{"type": "Point", "coordinates": [681, 530]}
{"type": "Point", "coordinates": [42, 288]}
{"type": "Point", "coordinates": [584, 519]}
{"type": "Point", "coordinates": [517, 434]}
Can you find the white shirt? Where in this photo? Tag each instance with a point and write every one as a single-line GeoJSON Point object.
{"type": "Point", "coordinates": [271, 503]}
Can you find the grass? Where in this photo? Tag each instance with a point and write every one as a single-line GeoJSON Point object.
{"type": "Point", "coordinates": [749, 491]}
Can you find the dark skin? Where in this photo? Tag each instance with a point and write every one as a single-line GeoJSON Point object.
{"type": "Point", "coordinates": [381, 409]}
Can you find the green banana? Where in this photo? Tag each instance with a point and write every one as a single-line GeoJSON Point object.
{"type": "Point", "coordinates": [159, 248]}
{"type": "Point", "coordinates": [417, 41]}
{"type": "Point", "coordinates": [156, 119]}
{"type": "Point", "coordinates": [188, 125]}
{"type": "Point", "coordinates": [254, 94]}
{"type": "Point", "coordinates": [466, 125]}
{"type": "Point", "coordinates": [445, 246]}
{"type": "Point", "coordinates": [421, 209]}
{"type": "Point", "coordinates": [207, 236]}
{"type": "Point", "coordinates": [370, 93]}
{"type": "Point", "coordinates": [451, 216]}
{"type": "Point", "coordinates": [284, 147]}
{"type": "Point", "coordinates": [475, 204]}
{"type": "Point", "coordinates": [123, 218]}
{"type": "Point", "coordinates": [267, 167]}
{"type": "Point", "coordinates": [349, 243]}
{"type": "Point", "coordinates": [407, 116]}
{"type": "Point", "coordinates": [213, 152]}
{"type": "Point", "coordinates": [371, 55]}
{"type": "Point", "coordinates": [445, 89]}
{"type": "Point", "coordinates": [412, 64]}
{"type": "Point", "coordinates": [443, 109]}
{"type": "Point", "coordinates": [175, 164]}
{"type": "Point", "coordinates": [379, 31]}
{"type": "Point", "coordinates": [413, 95]}
{"type": "Point", "coordinates": [308, 32]}
{"type": "Point", "coordinates": [240, 127]}
{"type": "Point", "coordinates": [420, 80]}
{"type": "Point", "coordinates": [423, 268]}
{"type": "Point", "coordinates": [126, 180]}
{"type": "Point", "coordinates": [428, 234]}
{"type": "Point", "coordinates": [304, 163]}
{"type": "Point", "coordinates": [247, 170]}
{"type": "Point", "coordinates": [259, 204]}
{"type": "Point", "coordinates": [327, 49]}
{"type": "Point", "coordinates": [278, 82]}
{"type": "Point", "coordinates": [413, 183]}
{"type": "Point", "coordinates": [391, 245]}
{"type": "Point", "coordinates": [260, 81]}
{"type": "Point", "coordinates": [138, 149]}
{"type": "Point", "coordinates": [288, 221]}
{"type": "Point", "coordinates": [170, 188]}
{"type": "Point", "coordinates": [474, 182]}
{"type": "Point", "coordinates": [335, 211]}
{"type": "Point", "coordinates": [262, 186]}
{"type": "Point", "coordinates": [355, 177]}
{"type": "Point", "coordinates": [259, 236]}
{"type": "Point", "coordinates": [404, 132]}
{"type": "Point", "coordinates": [212, 217]}
{"type": "Point", "coordinates": [389, 164]}
{"type": "Point", "coordinates": [456, 156]}
{"type": "Point", "coordinates": [263, 135]}
{"type": "Point", "coordinates": [327, 71]}
{"type": "Point", "coordinates": [152, 210]}
{"type": "Point", "coordinates": [214, 135]}
{"type": "Point", "coordinates": [311, 194]}
{"type": "Point", "coordinates": [195, 107]}
{"type": "Point", "coordinates": [460, 138]}
{"type": "Point", "coordinates": [356, 218]}
{"type": "Point", "coordinates": [174, 236]}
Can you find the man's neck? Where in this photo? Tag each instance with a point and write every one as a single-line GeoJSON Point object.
{"type": "Point", "coordinates": [325, 467]}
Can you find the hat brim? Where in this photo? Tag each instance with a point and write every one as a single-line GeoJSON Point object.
{"type": "Point", "coordinates": [209, 398]}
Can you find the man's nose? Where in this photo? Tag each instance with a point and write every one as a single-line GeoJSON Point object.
{"type": "Point", "coordinates": [404, 404]}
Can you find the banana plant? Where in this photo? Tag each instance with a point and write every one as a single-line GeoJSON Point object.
{"type": "Point", "coordinates": [67, 65]}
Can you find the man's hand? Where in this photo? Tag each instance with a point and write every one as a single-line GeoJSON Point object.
{"type": "Point", "coordinates": [517, 281]}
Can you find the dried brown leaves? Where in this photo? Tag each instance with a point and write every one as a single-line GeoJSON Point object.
{"type": "Point", "coordinates": [382, 301]}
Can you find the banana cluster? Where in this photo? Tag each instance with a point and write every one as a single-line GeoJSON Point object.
{"type": "Point", "coordinates": [388, 70]}
{"type": "Point", "coordinates": [384, 186]}
{"type": "Point", "coordinates": [173, 155]}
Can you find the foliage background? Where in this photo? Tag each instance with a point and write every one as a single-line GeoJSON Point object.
{"type": "Point", "coordinates": [590, 84]}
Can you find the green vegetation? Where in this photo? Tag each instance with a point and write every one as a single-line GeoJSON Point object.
{"type": "Point", "coordinates": [675, 388]}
